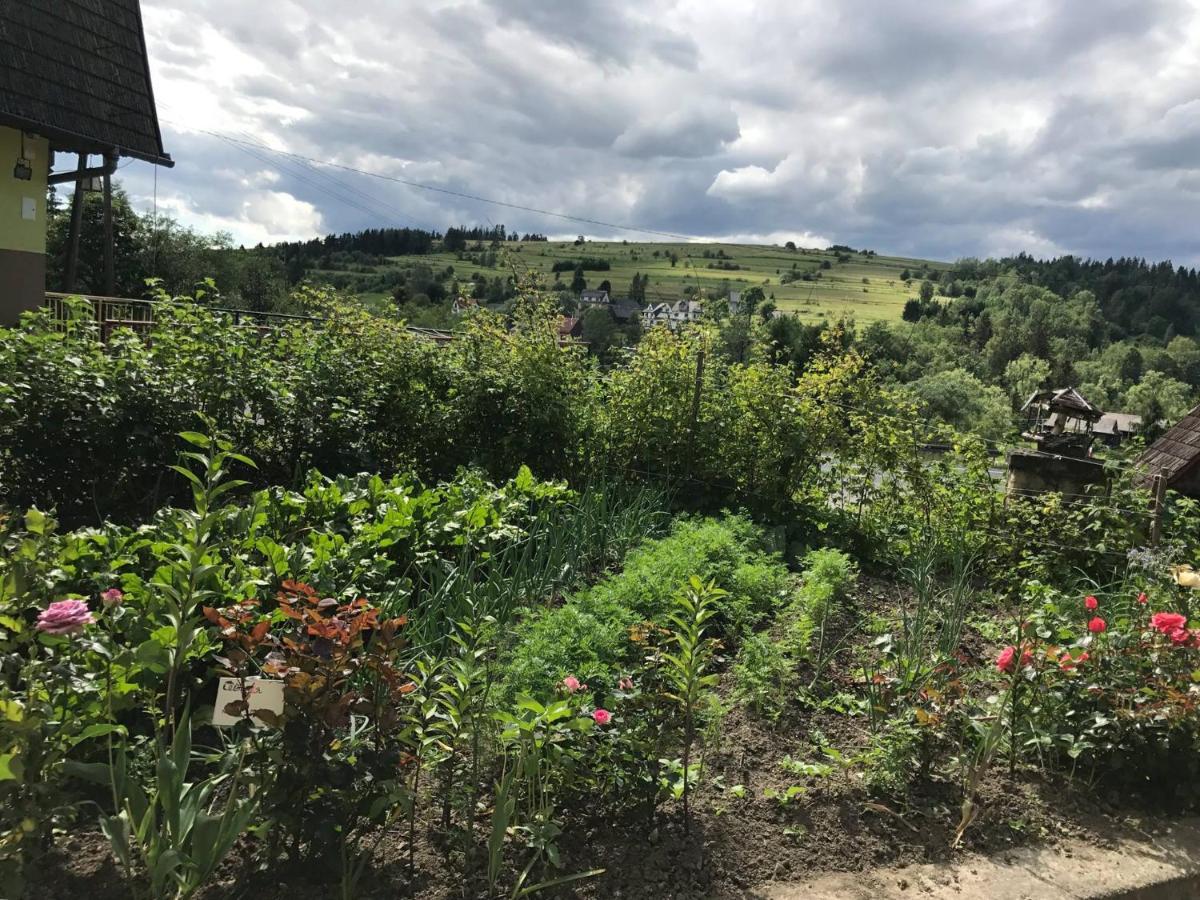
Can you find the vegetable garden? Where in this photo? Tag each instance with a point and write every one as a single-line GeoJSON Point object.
{"type": "Point", "coordinates": [675, 628]}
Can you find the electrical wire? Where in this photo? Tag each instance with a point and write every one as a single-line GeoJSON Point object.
{"type": "Point", "coordinates": [463, 195]}
{"type": "Point", "coordinates": [306, 180]}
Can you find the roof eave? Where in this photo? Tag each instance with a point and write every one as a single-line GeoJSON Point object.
{"type": "Point", "coordinates": [71, 142]}
{"type": "Point", "coordinates": [169, 163]}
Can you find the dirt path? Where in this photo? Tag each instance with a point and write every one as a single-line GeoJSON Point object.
{"type": "Point", "coordinates": [1161, 864]}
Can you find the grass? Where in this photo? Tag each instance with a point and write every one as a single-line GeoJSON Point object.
{"type": "Point", "coordinates": [867, 288]}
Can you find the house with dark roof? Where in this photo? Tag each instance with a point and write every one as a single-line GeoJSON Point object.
{"type": "Point", "coordinates": [570, 327]}
{"type": "Point", "coordinates": [1176, 456]}
{"type": "Point", "coordinates": [74, 79]}
{"type": "Point", "coordinates": [625, 310]}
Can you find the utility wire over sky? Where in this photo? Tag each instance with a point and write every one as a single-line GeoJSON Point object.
{"type": "Point", "coordinates": [250, 146]}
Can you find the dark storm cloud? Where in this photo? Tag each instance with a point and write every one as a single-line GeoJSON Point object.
{"type": "Point", "coordinates": [941, 129]}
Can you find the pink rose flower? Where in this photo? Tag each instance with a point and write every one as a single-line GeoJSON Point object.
{"type": "Point", "coordinates": [1143, 599]}
{"type": "Point", "coordinates": [1166, 622]}
{"type": "Point", "coordinates": [65, 617]}
{"type": "Point", "coordinates": [1004, 662]}
{"type": "Point", "coordinates": [571, 683]}
{"type": "Point", "coordinates": [1180, 635]}
{"type": "Point", "coordinates": [625, 683]}
{"type": "Point", "coordinates": [1090, 602]}
{"type": "Point", "coordinates": [602, 716]}
{"type": "Point", "coordinates": [1067, 663]}
{"type": "Point", "coordinates": [112, 597]}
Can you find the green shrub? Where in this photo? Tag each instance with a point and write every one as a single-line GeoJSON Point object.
{"type": "Point", "coordinates": [894, 758]}
{"type": "Point", "coordinates": [728, 551]}
{"type": "Point", "coordinates": [87, 427]}
{"type": "Point", "coordinates": [588, 636]}
{"type": "Point", "coordinates": [584, 639]}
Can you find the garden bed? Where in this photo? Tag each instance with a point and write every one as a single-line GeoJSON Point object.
{"type": "Point", "coordinates": [743, 834]}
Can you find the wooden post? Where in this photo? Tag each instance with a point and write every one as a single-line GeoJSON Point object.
{"type": "Point", "coordinates": [695, 417]}
{"type": "Point", "coordinates": [110, 277]}
{"type": "Point", "coordinates": [72, 266]}
{"type": "Point", "coordinates": [1158, 487]}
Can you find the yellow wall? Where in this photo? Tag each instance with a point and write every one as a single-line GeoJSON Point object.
{"type": "Point", "coordinates": [17, 232]}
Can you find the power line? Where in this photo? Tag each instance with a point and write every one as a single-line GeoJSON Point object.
{"type": "Point", "coordinates": [309, 181]}
{"type": "Point", "coordinates": [302, 170]}
{"type": "Point", "coordinates": [374, 202]}
{"type": "Point", "coordinates": [447, 191]}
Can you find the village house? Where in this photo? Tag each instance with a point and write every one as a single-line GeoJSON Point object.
{"type": "Point", "coordinates": [594, 298]}
{"type": "Point", "coordinates": [74, 79]}
{"type": "Point", "coordinates": [622, 310]}
{"type": "Point", "coordinates": [673, 315]}
{"type": "Point", "coordinates": [625, 310]}
{"type": "Point", "coordinates": [570, 327]}
{"type": "Point", "coordinates": [1113, 428]}
{"type": "Point", "coordinates": [463, 305]}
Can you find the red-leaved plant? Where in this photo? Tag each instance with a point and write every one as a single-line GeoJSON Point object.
{"type": "Point", "coordinates": [339, 760]}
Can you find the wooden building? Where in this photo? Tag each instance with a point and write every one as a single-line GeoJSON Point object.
{"type": "Point", "coordinates": [1176, 456]}
{"type": "Point", "coordinates": [1061, 422]}
{"type": "Point", "coordinates": [1060, 426]}
{"type": "Point", "coordinates": [74, 79]}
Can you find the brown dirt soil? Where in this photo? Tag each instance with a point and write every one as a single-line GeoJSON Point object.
{"type": "Point", "coordinates": [733, 844]}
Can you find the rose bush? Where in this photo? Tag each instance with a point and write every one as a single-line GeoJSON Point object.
{"type": "Point", "coordinates": [1117, 695]}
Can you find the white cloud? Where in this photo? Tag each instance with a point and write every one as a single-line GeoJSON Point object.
{"type": "Point", "coordinates": [1013, 240]}
{"type": "Point", "coordinates": [263, 217]}
{"type": "Point", "coordinates": [950, 128]}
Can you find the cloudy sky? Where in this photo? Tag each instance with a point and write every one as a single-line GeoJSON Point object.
{"type": "Point", "coordinates": [938, 129]}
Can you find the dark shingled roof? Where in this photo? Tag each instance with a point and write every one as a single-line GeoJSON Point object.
{"type": "Point", "coordinates": [76, 72]}
{"type": "Point", "coordinates": [1176, 452]}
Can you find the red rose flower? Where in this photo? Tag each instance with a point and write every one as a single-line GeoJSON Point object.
{"type": "Point", "coordinates": [1097, 626]}
{"type": "Point", "coordinates": [1090, 602]}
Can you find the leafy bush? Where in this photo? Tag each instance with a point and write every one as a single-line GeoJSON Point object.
{"type": "Point", "coordinates": [893, 760]}
{"type": "Point", "coordinates": [589, 634]}
{"type": "Point", "coordinates": [1107, 682]}
{"type": "Point", "coordinates": [729, 551]}
{"type": "Point", "coordinates": [765, 668]}
{"type": "Point", "coordinates": [359, 393]}
{"type": "Point", "coordinates": [828, 576]}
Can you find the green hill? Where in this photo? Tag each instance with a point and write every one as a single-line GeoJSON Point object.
{"type": "Point", "coordinates": [815, 283]}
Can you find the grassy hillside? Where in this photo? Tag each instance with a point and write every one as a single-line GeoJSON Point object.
{"type": "Point", "coordinates": [866, 287]}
